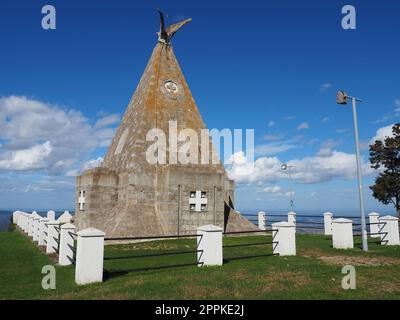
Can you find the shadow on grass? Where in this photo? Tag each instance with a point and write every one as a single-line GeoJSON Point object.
{"type": "Point", "coordinates": [110, 274]}
{"type": "Point", "coordinates": [228, 260]}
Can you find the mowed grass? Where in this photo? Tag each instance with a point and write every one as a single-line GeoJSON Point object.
{"type": "Point", "coordinates": [315, 273]}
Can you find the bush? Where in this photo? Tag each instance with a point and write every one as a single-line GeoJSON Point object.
{"type": "Point", "coordinates": [11, 226]}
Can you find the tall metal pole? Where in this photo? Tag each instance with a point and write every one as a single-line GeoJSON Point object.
{"type": "Point", "coordinates": [360, 183]}
{"type": "Point", "coordinates": [291, 190]}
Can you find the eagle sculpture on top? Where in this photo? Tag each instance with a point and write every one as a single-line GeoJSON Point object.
{"type": "Point", "coordinates": [165, 35]}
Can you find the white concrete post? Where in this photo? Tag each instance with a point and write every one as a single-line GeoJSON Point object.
{"type": "Point", "coordinates": [65, 217]}
{"type": "Point", "coordinates": [52, 236]}
{"type": "Point", "coordinates": [18, 218]}
{"type": "Point", "coordinates": [284, 234]}
{"type": "Point", "coordinates": [389, 231]}
{"type": "Point", "coordinates": [342, 234]}
{"type": "Point", "coordinates": [292, 218]}
{"type": "Point", "coordinates": [328, 223]}
{"type": "Point", "coordinates": [89, 256]}
{"type": "Point", "coordinates": [67, 239]}
{"type": "Point", "coordinates": [51, 215]}
{"type": "Point", "coordinates": [26, 222]}
{"type": "Point", "coordinates": [261, 220]}
{"type": "Point", "coordinates": [36, 228]}
{"type": "Point", "coordinates": [209, 243]}
{"type": "Point", "coordinates": [30, 231]}
{"type": "Point", "coordinates": [30, 221]}
{"type": "Point", "coordinates": [21, 219]}
{"type": "Point", "coordinates": [15, 217]}
{"type": "Point", "coordinates": [43, 231]}
{"type": "Point", "coordinates": [374, 225]}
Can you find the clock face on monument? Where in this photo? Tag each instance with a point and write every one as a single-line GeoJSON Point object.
{"type": "Point", "coordinates": [172, 89]}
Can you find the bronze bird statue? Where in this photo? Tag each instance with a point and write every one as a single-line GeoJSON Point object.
{"type": "Point", "coordinates": [165, 35]}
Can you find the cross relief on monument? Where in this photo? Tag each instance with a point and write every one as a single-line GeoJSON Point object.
{"type": "Point", "coordinates": [198, 201]}
{"type": "Point", "coordinates": [81, 200]}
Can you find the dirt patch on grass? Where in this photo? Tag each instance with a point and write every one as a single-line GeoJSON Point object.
{"type": "Point", "coordinates": [112, 296]}
{"type": "Point", "coordinates": [94, 294]}
{"type": "Point", "coordinates": [359, 260]}
{"type": "Point", "coordinates": [241, 275]}
{"type": "Point", "coordinates": [202, 292]}
{"type": "Point", "coordinates": [350, 260]}
{"type": "Point", "coordinates": [247, 286]}
{"type": "Point", "coordinates": [282, 280]}
{"type": "Point", "coordinates": [133, 283]}
{"type": "Point", "coordinates": [378, 284]}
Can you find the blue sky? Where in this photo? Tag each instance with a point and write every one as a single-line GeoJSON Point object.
{"type": "Point", "coordinates": [274, 66]}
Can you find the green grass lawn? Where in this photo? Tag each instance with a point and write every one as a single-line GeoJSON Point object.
{"type": "Point", "coordinates": [315, 273]}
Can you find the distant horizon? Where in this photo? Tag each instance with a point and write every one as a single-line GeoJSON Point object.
{"type": "Point", "coordinates": [59, 115]}
{"type": "Point", "coordinates": [242, 211]}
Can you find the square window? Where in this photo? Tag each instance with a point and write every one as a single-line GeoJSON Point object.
{"type": "Point", "coordinates": [193, 194]}
{"type": "Point", "coordinates": [192, 207]}
{"type": "Point", "coordinates": [204, 194]}
{"type": "Point", "coordinates": [203, 207]}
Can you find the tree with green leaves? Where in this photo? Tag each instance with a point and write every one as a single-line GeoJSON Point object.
{"type": "Point", "coordinates": [385, 155]}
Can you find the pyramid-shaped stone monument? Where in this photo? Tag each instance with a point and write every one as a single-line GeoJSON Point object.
{"type": "Point", "coordinates": [132, 196]}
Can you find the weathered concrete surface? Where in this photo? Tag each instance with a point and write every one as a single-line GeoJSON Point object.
{"type": "Point", "coordinates": [127, 195]}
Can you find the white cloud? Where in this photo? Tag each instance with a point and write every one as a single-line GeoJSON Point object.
{"type": "Point", "coordinates": [304, 126]}
{"type": "Point", "coordinates": [272, 189]}
{"type": "Point", "coordinates": [94, 163]}
{"type": "Point", "coordinates": [263, 169]}
{"type": "Point", "coordinates": [327, 167]}
{"type": "Point", "coordinates": [107, 121]}
{"type": "Point", "coordinates": [30, 188]}
{"type": "Point", "coordinates": [325, 119]}
{"type": "Point", "coordinates": [324, 152]}
{"type": "Point", "coordinates": [273, 137]}
{"type": "Point", "coordinates": [382, 134]}
{"type": "Point", "coordinates": [330, 143]}
{"type": "Point", "coordinates": [325, 86]}
{"type": "Point", "coordinates": [327, 147]}
{"type": "Point", "coordinates": [40, 136]}
{"type": "Point", "coordinates": [27, 159]}
{"type": "Point", "coordinates": [308, 170]}
{"type": "Point", "coordinates": [271, 124]}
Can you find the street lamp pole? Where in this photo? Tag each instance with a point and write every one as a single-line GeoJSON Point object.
{"type": "Point", "coordinates": [289, 167]}
{"type": "Point", "coordinates": [342, 99]}
{"type": "Point", "coordinates": [359, 174]}
{"type": "Point", "coordinates": [291, 189]}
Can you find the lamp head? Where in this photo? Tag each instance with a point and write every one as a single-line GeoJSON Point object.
{"type": "Point", "coordinates": [341, 97]}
